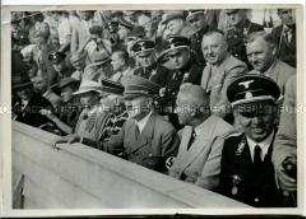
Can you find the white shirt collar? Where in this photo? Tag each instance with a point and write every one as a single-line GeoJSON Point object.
{"type": "Point", "coordinates": [24, 104]}
{"type": "Point", "coordinates": [264, 145]}
{"type": "Point", "coordinates": [142, 123]}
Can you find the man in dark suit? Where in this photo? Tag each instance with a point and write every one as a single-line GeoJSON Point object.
{"type": "Point", "coordinates": [285, 37]}
{"type": "Point", "coordinates": [146, 138]}
{"type": "Point", "coordinates": [239, 27]}
{"type": "Point", "coordinates": [247, 172]}
{"type": "Point", "coordinates": [29, 103]}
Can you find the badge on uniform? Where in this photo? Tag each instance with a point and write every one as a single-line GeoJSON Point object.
{"type": "Point", "coordinates": [240, 148]}
{"type": "Point", "coordinates": [236, 182]}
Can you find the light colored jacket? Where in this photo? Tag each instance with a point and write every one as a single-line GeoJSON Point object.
{"type": "Point", "coordinates": [215, 80]}
{"type": "Point", "coordinates": [201, 163]}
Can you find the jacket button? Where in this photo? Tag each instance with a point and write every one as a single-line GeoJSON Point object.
{"type": "Point", "coordinates": [256, 200]}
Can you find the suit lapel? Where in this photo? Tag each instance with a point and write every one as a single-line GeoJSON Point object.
{"type": "Point", "coordinates": [145, 136]}
{"type": "Point", "coordinates": [199, 144]}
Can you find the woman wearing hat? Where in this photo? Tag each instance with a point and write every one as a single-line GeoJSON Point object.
{"type": "Point", "coordinates": [92, 117]}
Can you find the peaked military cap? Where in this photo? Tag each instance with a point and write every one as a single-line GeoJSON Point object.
{"type": "Point", "coordinates": [252, 88]}
{"type": "Point", "coordinates": [136, 86]}
{"type": "Point", "coordinates": [142, 46]}
{"type": "Point", "coordinates": [112, 87]}
{"type": "Point", "coordinates": [174, 42]}
{"type": "Point", "coordinates": [193, 13]}
{"type": "Point", "coordinates": [65, 82]}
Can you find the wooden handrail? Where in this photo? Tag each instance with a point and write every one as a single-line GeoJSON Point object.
{"type": "Point", "coordinates": [77, 176]}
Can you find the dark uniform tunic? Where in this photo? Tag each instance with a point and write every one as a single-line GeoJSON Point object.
{"type": "Point", "coordinates": [151, 72]}
{"type": "Point", "coordinates": [196, 40]}
{"type": "Point", "coordinates": [171, 81]}
{"type": "Point", "coordinates": [240, 179]}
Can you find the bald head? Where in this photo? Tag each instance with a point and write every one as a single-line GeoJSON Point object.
{"type": "Point", "coordinates": [192, 104]}
{"type": "Point", "coordinates": [193, 94]}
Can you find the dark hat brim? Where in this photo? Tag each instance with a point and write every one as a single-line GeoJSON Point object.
{"type": "Point", "coordinates": [59, 86]}
{"type": "Point", "coordinates": [255, 108]}
{"type": "Point", "coordinates": [191, 15]}
{"type": "Point", "coordinates": [22, 86]}
{"type": "Point", "coordinates": [167, 51]}
{"type": "Point", "coordinates": [130, 96]}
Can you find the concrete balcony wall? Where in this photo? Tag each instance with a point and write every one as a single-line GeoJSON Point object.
{"type": "Point", "coordinates": [77, 176]}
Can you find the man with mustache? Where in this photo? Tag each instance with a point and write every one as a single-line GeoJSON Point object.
{"type": "Point", "coordinates": [221, 68]}
{"type": "Point", "coordinates": [262, 54]}
{"type": "Point", "coordinates": [247, 172]}
{"type": "Point", "coordinates": [146, 138]}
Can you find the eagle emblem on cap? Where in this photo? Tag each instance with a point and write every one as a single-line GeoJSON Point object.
{"type": "Point", "coordinates": [246, 84]}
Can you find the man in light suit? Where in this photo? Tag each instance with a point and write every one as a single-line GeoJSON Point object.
{"type": "Point", "coordinates": [221, 68]}
{"type": "Point", "coordinates": [146, 138]}
{"type": "Point", "coordinates": [261, 51]}
{"type": "Point", "coordinates": [199, 156]}
{"type": "Point", "coordinates": [284, 156]}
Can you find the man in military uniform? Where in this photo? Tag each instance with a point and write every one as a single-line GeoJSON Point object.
{"type": "Point", "coordinates": [285, 36]}
{"type": "Point", "coordinates": [144, 51]}
{"type": "Point", "coordinates": [181, 68]}
{"type": "Point", "coordinates": [113, 105]}
{"type": "Point", "coordinates": [239, 27]}
{"type": "Point", "coordinates": [197, 20]}
{"type": "Point", "coordinates": [146, 137]}
{"type": "Point", "coordinates": [247, 172]}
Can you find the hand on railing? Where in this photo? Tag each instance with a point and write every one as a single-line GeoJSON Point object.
{"type": "Point", "coordinates": [69, 139]}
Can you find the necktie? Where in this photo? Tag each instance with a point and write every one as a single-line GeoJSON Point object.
{"type": "Point", "coordinates": [257, 156]}
{"type": "Point", "coordinates": [192, 138]}
{"type": "Point", "coordinates": [137, 131]}
{"type": "Point", "coordinates": [90, 123]}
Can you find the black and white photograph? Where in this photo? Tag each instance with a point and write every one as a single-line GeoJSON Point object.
{"type": "Point", "coordinates": [145, 108]}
